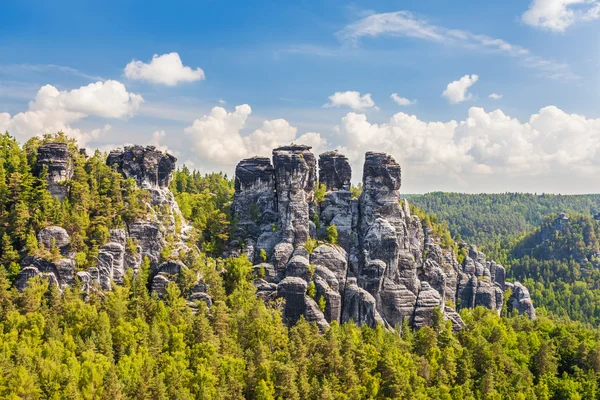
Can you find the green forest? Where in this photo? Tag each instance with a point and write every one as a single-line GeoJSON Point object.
{"type": "Point", "coordinates": [130, 344]}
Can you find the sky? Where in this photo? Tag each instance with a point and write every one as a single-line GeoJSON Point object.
{"type": "Point", "coordinates": [468, 96]}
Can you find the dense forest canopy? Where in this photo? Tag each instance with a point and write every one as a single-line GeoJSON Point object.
{"type": "Point", "coordinates": [130, 342]}
{"type": "Point", "coordinates": [485, 219]}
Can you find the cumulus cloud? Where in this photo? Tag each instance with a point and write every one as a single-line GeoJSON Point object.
{"type": "Point", "coordinates": [218, 140]}
{"type": "Point", "coordinates": [166, 69]}
{"type": "Point", "coordinates": [407, 25]}
{"type": "Point", "coordinates": [402, 101]}
{"type": "Point", "coordinates": [495, 96]}
{"type": "Point", "coordinates": [52, 110]}
{"type": "Point", "coordinates": [456, 91]}
{"type": "Point", "coordinates": [351, 99]}
{"type": "Point", "coordinates": [157, 140]}
{"type": "Point", "coordinates": [558, 15]}
{"type": "Point", "coordinates": [551, 143]}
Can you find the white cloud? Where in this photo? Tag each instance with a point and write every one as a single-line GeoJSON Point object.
{"type": "Point", "coordinates": [495, 96]}
{"type": "Point", "coordinates": [157, 140]}
{"type": "Point", "coordinates": [402, 101]}
{"type": "Point", "coordinates": [351, 99]}
{"type": "Point", "coordinates": [406, 24]}
{"type": "Point", "coordinates": [221, 101]}
{"type": "Point", "coordinates": [166, 69]}
{"type": "Point", "coordinates": [456, 91]}
{"type": "Point", "coordinates": [53, 110]}
{"type": "Point", "coordinates": [551, 144]}
{"type": "Point", "coordinates": [218, 141]}
{"type": "Point", "coordinates": [558, 15]}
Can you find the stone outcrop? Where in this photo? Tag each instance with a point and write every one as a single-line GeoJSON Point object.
{"type": "Point", "coordinates": [520, 300]}
{"type": "Point", "coordinates": [295, 180]}
{"type": "Point", "coordinates": [126, 247]}
{"type": "Point", "coordinates": [255, 207]}
{"type": "Point", "coordinates": [336, 206]}
{"type": "Point", "coordinates": [385, 269]}
{"type": "Point", "coordinates": [147, 165]}
{"type": "Point", "coordinates": [56, 159]}
{"type": "Point", "coordinates": [54, 236]}
{"type": "Point", "coordinates": [60, 273]}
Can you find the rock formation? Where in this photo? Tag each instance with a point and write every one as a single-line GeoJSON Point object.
{"type": "Point", "coordinates": [385, 268]}
{"type": "Point", "coordinates": [126, 247]}
{"type": "Point", "coordinates": [56, 159]}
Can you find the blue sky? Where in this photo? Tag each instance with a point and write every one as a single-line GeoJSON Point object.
{"type": "Point", "coordinates": [285, 61]}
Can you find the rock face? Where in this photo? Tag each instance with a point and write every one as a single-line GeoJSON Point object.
{"type": "Point", "coordinates": [54, 236]}
{"type": "Point", "coordinates": [295, 180]}
{"type": "Point", "coordinates": [385, 269]}
{"type": "Point", "coordinates": [255, 205]}
{"type": "Point", "coordinates": [126, 247]}
{"type": "Point", "coordinates": [521, 301]}
{"type": "Point", "coordinates": [148, 166]}
{"type": "Point", "coordinates": [56, 158]}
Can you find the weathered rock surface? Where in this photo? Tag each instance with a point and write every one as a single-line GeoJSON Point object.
{"type": "Point", "coordinates": [147, 165]}
{"type": "Point", "coordinates": [56, 158]}
{"type": "Point", "coordinates": [295, 180]}
{"type": "Point", "coordinates": [520, 300]}
{"type": "Point", "coordinates": [386, 268]}
{"type": "Point", "coordinates": [54, 236]}
{"type": "Point", "coordinates": [61, 272]}
{"type": "Point", "coordinates": [254, 205]}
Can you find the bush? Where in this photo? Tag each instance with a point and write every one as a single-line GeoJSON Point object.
{"type": "Point", "coordinates": [332, 234]}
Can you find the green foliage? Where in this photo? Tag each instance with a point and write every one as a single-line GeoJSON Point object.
{"type": "Point", "coordinates": [205, 200]}
{"type": "Point", "coordinates": [332, 234]}
{"type": "Point", "coordinates": [491, 221]}
{"type": "Point", "coordinates": [311, 290]}
{"type": "Point", "coordinates": [320, 193]}
{"type": "Point", "coordinates": [356, 191]}
{"type": "Point", "coordinates": [310, 245]}
{"type": "Point", "coordinates": [262, 254]}
{"type": "Point", "coordinates": [322, 304]}
{"type": "Point", "coordinates": [98, 198]}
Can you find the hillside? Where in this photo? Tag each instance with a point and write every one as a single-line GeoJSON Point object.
{"type": "Point", "coordinates": [559, 263]}
{"type": "Point", "coordinates": [484, 219]}
{"type": "Point", "coordinates": [125, 277]}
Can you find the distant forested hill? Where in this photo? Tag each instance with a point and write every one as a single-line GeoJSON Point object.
{"type": "Point", "coordinates": [487, 218]}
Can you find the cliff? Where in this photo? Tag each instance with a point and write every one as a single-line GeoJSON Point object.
{"type": "Point", "coordinates": [383, 268]}
{"type": "Point", "coordinates": [330, 256]}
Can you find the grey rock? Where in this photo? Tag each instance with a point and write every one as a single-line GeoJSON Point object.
{"type": "Point", "coordinates": [56, 158]}
{"type": "Point", "coordinates": [254, 205]}
{"type": "Point", "coordinates": [451, 315]}
{"type": "Point", "coordinates": [333, 299]}
{"type": "Point", "coordinates": [313, 314]}
{"type": "Point", "coordinates": [427, 301]}
{"type": "Point", "coordinates": [298, 267]}
{"type": "Point", "coordinates": [334, 171]}
{"type": "Point", "coordinates": [160, 283]}
{"type": "Point", "coordinates": [329, 277]}
{"type": "Point", "coordinates": [62, 271]}
{"type": "Point", "coordinates": [295, 179]}
{"type": "Point", "coordinates": [265, 270]}
{"type": "Point", "coordinates": [359, 306]}
{"type": "Point", "coordinates": [293, 290]}
{"type": "Point", "coordinates": [147, 165]}
{"type": "Point", "coordinates": [111, 259]}
{"type": "Point", "coordinates": [520, 300]}
{"type": "Point", "coordinates": [281, 255]}
{"type": "Point", "coordinates": [149, 237]}
{"type": "Point", "coordinates": [54, 236]}
{"type": "Point", "coordinates": [334, 258]}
